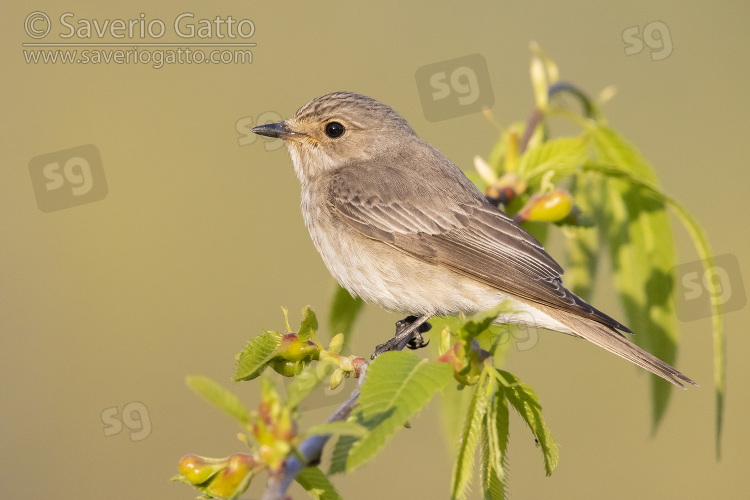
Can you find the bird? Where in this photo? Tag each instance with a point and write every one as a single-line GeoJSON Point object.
{"type": "Point", "coordinates": [399, 225]}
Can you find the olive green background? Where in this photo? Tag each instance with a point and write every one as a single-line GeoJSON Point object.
{"type": "Point", "coordinates": [199, 240]}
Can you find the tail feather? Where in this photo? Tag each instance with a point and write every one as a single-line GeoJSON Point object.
{"type": "Point", "coordinates": [611, 340]}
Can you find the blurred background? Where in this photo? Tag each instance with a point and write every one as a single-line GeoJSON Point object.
{"type": "Point", "coordinates": [146, 235]}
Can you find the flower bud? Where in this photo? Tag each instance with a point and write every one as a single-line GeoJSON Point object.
{"type": "Point", "coordinates": [356, 362]}
{"type": "Point", "coordinates": [197, 470]}
{"type": "Point", "coordinates": [273, 427]}
{"type": "Point", "coordinates": [226, 482]}
{"type": "Point", "coordinates": [336, 378]}
{"type": "Point", "coordinates": [485, 171]}
{"type": "Point", "coordinates": [337, 342]}
{"type": "Point", "coordinates": [467, 366]}
{"type": "Point", "coordinates": [216, 477]}
{"type": "Point", "coordinates": [453, 356]}
{"type": "Point", "coordinates": [294, 349]}
{"type": "Point", "coordinates": [445, 339]}
{"type": "Point", "coordinates": [506, 188]}
{"type": "Point", "coordinates": [549, 207]}
{"type": "Point", "coordinates": [287, 368]}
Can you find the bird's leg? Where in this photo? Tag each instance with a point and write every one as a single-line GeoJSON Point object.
{"type": "Point", "coordinates": [417, 341]}
{"type": "Point", "coordinates": [408, 333]}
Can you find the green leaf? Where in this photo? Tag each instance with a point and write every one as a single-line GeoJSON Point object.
{"type": "Point", "coordinates": [617, 152]}
{"type": "Point", "coordinates": [497, 155]}
{"type": "Point", "coordinates": [492, 487]}
{"type": "Point", "coordinates": [317, 484]}
{"type": "Point", "coordinates": [309, 325]}
{"type": "Point", "coordinates": [243, 486]}
{"type": "Point", "coordinates": [463, 468]}
{"type": "Point", "coordinates": [493, 338]}
{"type": "Point", "coordinates": [453, 404]}
{"type": "Point", "coordinates": [582, 244]}
{"type": "Point", "coordinates": [704, 251]}
{"type": "Point", "coordinates": [479, 323]}
{"type": "Point", "coordinates": [496, 429]}
{"type": "Point", "coordinates": [524, 400]}
{"type": "Point", "coordinates": [219, 397]}
{"type": "Point", "coordinates": [539, 230]}
{"type": "Point", "coordinates": [397, 386]}
{"type": "Point", "coordinates": [554, 154]}
{"type": "Point", "coordinates": [339, 428]}
{"type": "Point", "coordinates": [344, 311]}
{"type": "Point", "coordinates": [307, 381]}
{"type": "Point", "coordinates": [642, 253]}
{"type": "Point", "coordinates": [255, 356]}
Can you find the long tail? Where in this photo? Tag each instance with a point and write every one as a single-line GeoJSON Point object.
{"type": "Point", "coordinates": [613, 341]}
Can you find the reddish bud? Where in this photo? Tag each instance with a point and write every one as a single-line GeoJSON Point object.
{"type": "Point", "coordinates": [226, 482]}
{"type": "Point", "coordinates": [216, 477]}
{"type": "Point", "coordinates": [294, 349]}
{"type": "Point", "coordinates": [467, 366]}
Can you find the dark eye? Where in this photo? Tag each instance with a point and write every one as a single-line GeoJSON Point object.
{"type": "Point", "coordinates": [334, 130]}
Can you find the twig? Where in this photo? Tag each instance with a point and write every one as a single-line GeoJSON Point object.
{"type": "Point", "coordinates": [312, 447]}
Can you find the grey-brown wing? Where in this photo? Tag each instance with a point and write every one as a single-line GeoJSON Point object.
{"type": "Point", "coordinates": [466, 235]}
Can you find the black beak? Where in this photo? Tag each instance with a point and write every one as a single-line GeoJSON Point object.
{"type": "Point", "coordinates": [280, 130]}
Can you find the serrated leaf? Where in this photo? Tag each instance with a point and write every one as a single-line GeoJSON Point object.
{"type": "Point", "coordinates": [524, 400]}
{"type": "Point", "coordinates": [219, 397]}
{"type": "Point", "coordinates": [317, 484]}
{"type": "Point", "coordinates": [344, 311]}
{"type": "Point", "coordinates": [463, 468]}
{"type": "Point", "coordinates": [642, 254]}
{"type": "Point", "coordinates": [255, 356]}
{"type": "Point", "coordinates": [554, 154]}
{"type": "Point", "coordinates": [307, 381]}
{"type": "Point", "coordinates": [338, 428]}
{"type": "Point", "coordinates": [700, 241]}
{"type": "Point", "coordinates": [309, 325]}
{"type": "Point", "coordinates": [496, 429]}
{"type": "Point", "coordinates": [397, 386]}
{"type": "Point", "coordinates": [492, 487]}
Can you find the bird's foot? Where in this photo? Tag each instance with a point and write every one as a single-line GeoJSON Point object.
{"type": "Point", "coordinates": [408, 333]}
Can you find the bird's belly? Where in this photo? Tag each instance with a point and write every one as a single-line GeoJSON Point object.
{"type": "Point", "coordinates": [395, 280]}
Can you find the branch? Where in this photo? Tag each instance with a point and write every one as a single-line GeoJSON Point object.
{"type": "Point", "coordinates": [312, 447]}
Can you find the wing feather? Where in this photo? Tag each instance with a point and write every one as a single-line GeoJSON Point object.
{"type": "Point", "coordinates": [472, 237]}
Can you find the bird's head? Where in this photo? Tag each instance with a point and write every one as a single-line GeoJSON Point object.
{"type": "Point", "coordinates": [335, 129]}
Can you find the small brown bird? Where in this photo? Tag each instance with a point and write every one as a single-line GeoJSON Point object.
{"type": "Point", "coordinates": [401, 226]}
